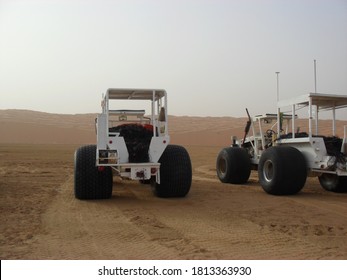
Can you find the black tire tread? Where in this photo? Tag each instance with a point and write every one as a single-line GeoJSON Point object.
{"type": "Point", "coordinates": [333, 183]}
{"type": "Point", "coordinates": [89, 183]}
{"type": "Point", "coordinates": [175, 173]}
{"type": "Point", "coordinates": [238, 165]}
{"type": "Point", "coordinates": [289, 168]}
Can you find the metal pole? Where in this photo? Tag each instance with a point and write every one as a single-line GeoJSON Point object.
{"type": "Point", "coordinates": [334, 122]}
{"type": "Point", "coordinates": [315, 76]}
{"type": "Point", "coordinates": [278, 109]}
{"type": "Point", "coordinates": [310, 117]}
{"type": "Point", "coordinates": [293, 121]}
{"type": "Point", "coordinates": [154, 122]}
{"type": "Point", "coordinates": [278, 89]}
{"type": "Point", "coordinates": [315, 91]}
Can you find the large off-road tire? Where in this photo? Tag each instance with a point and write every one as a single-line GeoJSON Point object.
{"type": "Point", "coordinates": [90, 183]}
{"type": "Point", "coordinates": [233, 165]}
{"type": "Point", "coordinates": [175, 173]}
{"type": "Point", "coordinates": [333, 183]}
{"type": "Point", "coordinates": [145, 182]}
{"type": "Point", "coordinates": [282, 170]}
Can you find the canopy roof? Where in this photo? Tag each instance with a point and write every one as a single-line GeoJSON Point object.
{"type": "Point", "coordinates": [323, 101]}
{"type": "Point", "coordinates": [137, 94]}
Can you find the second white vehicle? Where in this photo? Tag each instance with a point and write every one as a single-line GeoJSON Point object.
{"type": "Point", "coordinates": [283, 155]}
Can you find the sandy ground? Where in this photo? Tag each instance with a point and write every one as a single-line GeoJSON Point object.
{"type": "Point", "coordinates": [41, 219]}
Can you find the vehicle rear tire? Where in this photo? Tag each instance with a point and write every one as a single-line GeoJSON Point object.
{"type": "Point", "coordinates": [145, 182]}
{"type": "Point", "coordinates": [175, 173]}
{"type": "Point", "coordinates": [282, 170]}
{"type": "Point", "coordinates": [333, 183]}
{"type": "Point", "coordinates": [233, 165]}
{"type": "Point", "coordinates": [89, 182]}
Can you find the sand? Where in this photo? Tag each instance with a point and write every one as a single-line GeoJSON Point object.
{"type": "Point", "coordinates": [41, 219]}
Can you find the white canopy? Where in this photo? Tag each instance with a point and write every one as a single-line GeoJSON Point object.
{"type": "Point", "coordinates": [323, 101]}
{"type": "Point", "coordinates": [137, 94]}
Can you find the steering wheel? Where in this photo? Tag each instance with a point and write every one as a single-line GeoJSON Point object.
{"type": "Point", "coordinates": [269, 133]}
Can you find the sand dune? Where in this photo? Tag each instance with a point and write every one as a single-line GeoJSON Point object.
{"type": "Point", "coordinates": [24, 126]}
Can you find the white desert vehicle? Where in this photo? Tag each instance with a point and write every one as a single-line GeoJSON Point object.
{"type": "Point", "coordinates": [132, 145]}
{"type": "Point", "coordinates": [283, 155]}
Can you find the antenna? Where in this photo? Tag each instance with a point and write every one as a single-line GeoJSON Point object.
{"type": "Point", "coordinates": [278, 108]}
{"type": "Point", "coordinates": [315, 91]}
{"type": "Point", "coordinates": [315, 76]}
{"type": "Point", "coordinates": [278, 89]}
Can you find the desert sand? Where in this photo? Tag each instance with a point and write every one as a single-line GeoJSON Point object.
{"type": "Point", "coordinates": [41, 219]}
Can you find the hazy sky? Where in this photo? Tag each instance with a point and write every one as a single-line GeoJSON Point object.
{"type": "Point", "coordinates": [214, 57]}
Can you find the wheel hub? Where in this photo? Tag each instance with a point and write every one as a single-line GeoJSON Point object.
{"type": "Point", "coordinates": [268, 170]}
{"type": "Point", "coordinates": [222, 166]}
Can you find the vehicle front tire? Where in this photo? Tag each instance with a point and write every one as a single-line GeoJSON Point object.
{"type": "Point", "coordinates": [282, 170]}
{"type": "Point", "coordinates": [175, 173]}
{"type": "Point", "coordinates": [333, 183]}
{"type": "Point", "coordinates": [233, 165]}
{"type": "Point", "coordinates": [89, 182]}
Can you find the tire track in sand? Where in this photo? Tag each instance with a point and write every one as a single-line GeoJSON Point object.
{"type": "Point", "coordinates": [207, 224]}
{"type": "Point", "coordinates": [120, 228]}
